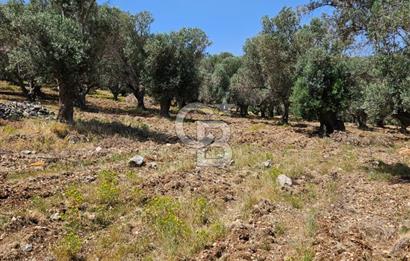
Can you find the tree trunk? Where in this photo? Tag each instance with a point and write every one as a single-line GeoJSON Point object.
{"type": "Point", "coordinates": [285, 116]}
{"type": "Point", "coordinates": [139, 95]}
{"type": "Point", "coordinates": [181, 104]}
{"type": "Point", "coordinates": [271, 111]}
{"type": "Point", "coordinates": [329, 123]}
{"type": "Point", "coordinates": [404, 118]}
{"type": "Point", "coordinates": [165, 105]}
{"type": "Point", "coordinates": [263, 113]}
{"type": "Point", "coordinates": [24, 90]}
{"type": "Point", "coordinates": [380, 123]}
{"type": "Point", "coordinates": [361, 119]}
{"type": "Point", "coordinates": [66, 102]}
{"type": "Point", "coordinates": [37, 93]}
{"type": "Point", "coordinates": [243, 110]}
{"type": "Point", "coordinates": [115, 95]}
{"type": "Point", "coordinates": [80, 101]}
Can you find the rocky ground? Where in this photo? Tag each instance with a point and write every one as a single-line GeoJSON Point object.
{"type": "Point", "coordinates": [71, 193]}
{"type": "Point", "coordinates": [18, 110]}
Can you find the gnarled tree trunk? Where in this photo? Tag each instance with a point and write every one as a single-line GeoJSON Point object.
{"type": "Point", "coordinates": [139, 93]}
{"type": "Point", "coordinates": [165, 105]}
{"type": "Point", "coordinates": [329, 123]}
{"type": "Point", "coordinates": [66, 102]}
{"type": "Point", "coordinates": [243, 110]}
{"type": "Point", "coordinates": [361, 119]}
{"type": "Point", "coordinates": [404, 118]}
{"type": "Point", "coordinates": [285, 115]}
{"type": "Point", "coordinates": [271, 111]}
{"type": "Point", "coordinates": [140, 99]}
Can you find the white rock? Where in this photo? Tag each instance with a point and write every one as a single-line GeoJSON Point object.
{"type": "Point", "coordinates": [153, 165]}
{"type": "Point", "coordinates": [284, 181]}
{"type": "Point", "coordinates": [137, 161]}
{"type": "Point", "coordinates": [98, 149]}
{"type": "Point", "coordinates": [267, 164]}
{"type": "Point", "coordinates": [27, 248]}
{"type": "Point", "coordinates": [55, 217]}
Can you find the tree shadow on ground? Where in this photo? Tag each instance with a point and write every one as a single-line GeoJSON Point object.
{"type": "Point", "coordinates": [399, 172]}
{"type": "Point", "coordinates": [307, 130]}
{"type": "Point", "coordinates": [132, 111]}
{"type": "Point", "coordinates": [107, 129]}
{"type": "Point", "coordinates": [13, 96]}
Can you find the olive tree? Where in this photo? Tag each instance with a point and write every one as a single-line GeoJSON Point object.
{"type": "Point", "coordinates": [278, 55]}
{"type": "Point", "coordinates": [385, 25]}
{"type": "Point", "coordinates": [321, 91]}
{"type": "Point", "coordinates": [123, 60]}
{"type": "Point", "coordinates": [15, 63]}
{"type": "Point", "coordinates": [54, 45]}
{"type": "Point", "coordinates": [216, 72]}
{"type": "Point", "coordinates": [172, 66]}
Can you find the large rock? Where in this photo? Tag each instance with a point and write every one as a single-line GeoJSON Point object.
{"type": "Point", "coordinates": [131, 100]}
{"type": "Point", "coordinates": [137, 161]}
{"type": "Point", "coordinates": [284, 181]}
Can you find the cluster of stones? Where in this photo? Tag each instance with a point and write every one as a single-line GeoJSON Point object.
{"type": "Point", "coordinates": [17, 110]}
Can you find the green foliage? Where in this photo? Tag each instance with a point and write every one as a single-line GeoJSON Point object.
{"type": "Point", "coordinates": [74, 196]}
{"type": "Point", "coordinates": [217, 72]}
{"type": "Point", "coordinates": [385, 25]}
{"type": "Point", "coordinates": [377, 102]}
{"type": "Point", "coordinates": [172, 66]}
{"type": "Point", "coordinates": [321, 91]}
{"type": "Point", "coordinates": [108, 191]}
{"type": "Point", "coordinates": [69, 247]}
{"type": "Point", "coordinates": [164, 214]}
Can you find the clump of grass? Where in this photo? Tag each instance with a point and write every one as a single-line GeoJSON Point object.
{"type": "Point", "coordinates": [296, 201]}
{"type": "Point", "coordinates": [61, 130]}
{"type": "Point", "coordinates": [257, 127]}
{"type": "Point", "coordinates": [40, 204]}
{"type": "Point", "coordinates": [311, 223]}
{"type": "Point", "coordinates": [145, 129]}
{"type": "Point", "coordinates": [164, 215]}
{"type": "Point", "coordinates": [306, 254]}
{"type": "Point", "coordinates": [204, 236]}
{"type": "Point", "coordinates": [303, 253]}
{"type": "Point", "coordinates": [250, 156]}
{"type": "Point", "coordinates": [380, 176]}
{"type": "Point", "coordinates": [280, 229]}
{"type": "Point", "coordinates": [8, 130]}
{"type": "Point", "coordinates": [74, 196]}
{"type": "Point", "coordinates": [186, 163]}
{"type": "Point", "coordinates": [274, 173]}
{"type": "Point", "coordinates": [182, 228]}
{"type": "Point", "coordinates": [4, 220]}
{"type": "Point", "coordinates": [108, 191]}
{"type": "Point", "coordinates": [404, 230]}
{"type": "Point", "coordinates": [116, 243]}
{"type": "Point", "coordinates": [202, 211]}
{"type": "Point", "coordinates": [69, 247]}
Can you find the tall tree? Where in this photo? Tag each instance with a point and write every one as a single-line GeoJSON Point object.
{"type": "Point", "coordinates": [124, 58]}
{"type": "Point", "coordinates": [322, 87]}
{"type": "Point", "coordinates": [172, 66]}
{"type": "Point", "coordinates": [386, 26]}
{"type": "Point", "coordinates": [278, 55]}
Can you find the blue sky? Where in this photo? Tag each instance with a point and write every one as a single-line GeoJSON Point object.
{"type": "Point", "coordinates": [228, 23]}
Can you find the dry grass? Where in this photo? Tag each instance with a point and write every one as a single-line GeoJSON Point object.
{"type": "Point", "coordinates": [124, 219]}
